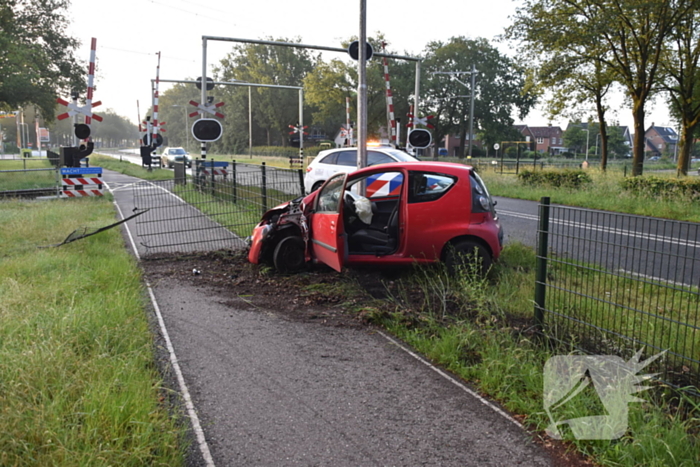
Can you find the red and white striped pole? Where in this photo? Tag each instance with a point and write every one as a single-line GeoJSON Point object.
{"type": "Point", "coordinates": [91, 78]}
{"type": "Point", "coordinates": [155, 99]}
{"type": "Point", "coordinates": [389, 101]}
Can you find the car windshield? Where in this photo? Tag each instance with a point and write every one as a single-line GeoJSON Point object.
{"type": "Point", "coordinates": [400, 155]}
{"type": "Point", "coordinates": [178, 151]}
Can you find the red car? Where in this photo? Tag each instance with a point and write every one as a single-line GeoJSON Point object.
{"type": "Point", "coordinates": [390, 214]}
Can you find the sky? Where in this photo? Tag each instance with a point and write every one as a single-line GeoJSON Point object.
{"type": "Point", "coordinates": [130, 33]}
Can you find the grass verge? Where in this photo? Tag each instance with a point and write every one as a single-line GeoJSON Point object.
{"type": "Point", "coordinates": [78, 383]}
{"type": "Point", "coordinates": [27, 180]}
{"type": "Point", "coordinates": [604, 193]}
{"type": "Point", "coordinates": [482, 330]}
{"type": "Point", "coordinates": [128, 168]}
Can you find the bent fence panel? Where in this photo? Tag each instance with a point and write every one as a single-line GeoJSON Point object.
{"type": "Point", "coordinates": [614, 284]}
{"type": "Point", "coordinates": [210, 209]}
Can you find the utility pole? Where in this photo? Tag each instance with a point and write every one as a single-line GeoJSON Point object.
{"type": "Point", "coordinates": [455, 76]}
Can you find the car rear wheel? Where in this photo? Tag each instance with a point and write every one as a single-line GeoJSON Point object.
{"type": "Point", "coordinates": [289, 255]}
{"type": "Point", "coordinates": [469, 257]}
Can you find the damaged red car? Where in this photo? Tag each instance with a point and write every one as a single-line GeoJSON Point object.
{"type": "Point", "coordinates": [385, 215]}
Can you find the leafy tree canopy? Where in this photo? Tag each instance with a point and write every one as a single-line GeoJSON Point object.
{"type": "Point", "coordinates": [36, 55]}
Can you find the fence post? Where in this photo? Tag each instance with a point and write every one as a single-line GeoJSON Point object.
{"type": "Point", "coordinates": [301, 181]}
{"type": "Point", "coordinates": [264, 187]}
{"type": "Point", "coordinates": [233, 181]}
{"type": "Point", "coordinates": [212, 177]}
{"type": "Point", "coordinates": [541, 266]}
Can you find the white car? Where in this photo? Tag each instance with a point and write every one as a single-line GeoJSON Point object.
{"type": "Point", "coordinates": [172, 155]}
{"type": "Point", "coordinates": [337, 160]}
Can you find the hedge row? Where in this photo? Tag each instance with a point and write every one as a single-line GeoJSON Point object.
{"type": "Point", "coordinates": [555, 178]}
{"type": "Point", "coordinates": [665, 188]}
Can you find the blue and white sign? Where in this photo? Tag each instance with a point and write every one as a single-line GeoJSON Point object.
{"type": "Point", "coordinates": [80, 170]}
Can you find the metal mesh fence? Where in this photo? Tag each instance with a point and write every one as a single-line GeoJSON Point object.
{"type": "Point", "coordinates": [613, 284]}
{"type": "Point", "coordinates": [214, 207]}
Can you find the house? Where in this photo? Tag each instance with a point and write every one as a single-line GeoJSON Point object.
{"type": "Point", "coordinates": [525, 131]}
{"type": "Point", "coordinates": [659, 140]}
{"type": "Point", "coordinates": [453, 146]}
{"type": "Point", "coordinates": [548, 139]}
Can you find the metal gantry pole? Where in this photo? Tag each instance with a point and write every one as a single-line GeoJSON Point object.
{"type": "Point", "coordinates": [362, 89]}
{"type": "Point", "coordinates": [204, 90]}
{"type": "Point", "coordinates": [250, 123]}
{"type": "Point", "coordinates": [301, 127]}
{"type": "Point", "coordinates": [471, 111]}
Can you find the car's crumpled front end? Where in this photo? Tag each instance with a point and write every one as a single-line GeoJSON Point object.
{"type": "Point", "coordinates": [287, 219]}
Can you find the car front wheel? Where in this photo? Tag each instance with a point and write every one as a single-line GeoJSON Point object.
{"type": "Point", "coordinates": [289, 255]}
{"type": "Point", "coordinates": [468, 256]}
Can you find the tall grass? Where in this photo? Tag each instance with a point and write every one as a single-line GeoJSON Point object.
{"type": "Point", "coordinates": [78, 384]}
{"type": "Point", "coordinates": [486, 337]}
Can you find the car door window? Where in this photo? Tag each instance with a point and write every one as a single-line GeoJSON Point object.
{"type": "Point", "coordinates": [330, 159]}
{"type": "Point", "coordinates": [347, 158]}
{"type": "Point", "coordinates": [329, 197]}
{"type": "Point", "coordinates": [428, 186]}
{"type": "Point", "coordinates": [374, 158]}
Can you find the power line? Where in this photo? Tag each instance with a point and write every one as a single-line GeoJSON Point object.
{"type": "Point", "coordinates": [196, 13]}
{"type": "Point", "coordinates": [147, 53]}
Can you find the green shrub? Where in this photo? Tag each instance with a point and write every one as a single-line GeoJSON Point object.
{"type": "Point", "coordinates": [555, 178]}
{"type": "Point", "coordinates": [663, 188]}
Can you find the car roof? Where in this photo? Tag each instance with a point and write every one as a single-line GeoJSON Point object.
{"type": "Point", "coordinates": [387, 149]}
{"type": "Point", "coordinates": [427, 166]}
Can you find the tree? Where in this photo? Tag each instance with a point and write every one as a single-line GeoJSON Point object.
{"type": "Point", "coordinates": [680, 65]}
{"type": "Point", "coordinates": [500, 88]}
{"type": "Point", "coordinates": [575, 137]}
{"type": "Point", "coordinates": [275, 109]}
{"type": "Point", "coordinates": [114, 131]}
{"type": "Point", "coordinates": [36, 55]}
{"type": "Point", "coordinates": [633, 33]}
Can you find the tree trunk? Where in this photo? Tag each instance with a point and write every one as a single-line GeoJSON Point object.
{"type": "Point", "coordinates": [639, 138]}
{"type": "Point", "coordinates": [686, 142]}
{"type": "Point", "coordinates": [603, 130]}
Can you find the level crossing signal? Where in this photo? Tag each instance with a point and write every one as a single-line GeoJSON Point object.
{"type": "Point", "coordinates": [420, 138]}
{"type": "Point", "coordinates": [207, 130]}
{"type": "Point", "coordinates": [354, 50]}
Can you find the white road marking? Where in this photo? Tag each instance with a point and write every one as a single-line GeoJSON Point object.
{"type": "Point", "coordinates": [452, 380]}
{"type": "Point", "coordinates": [191, 412]}
{"type": "Point", "coordinates": [615, 231]}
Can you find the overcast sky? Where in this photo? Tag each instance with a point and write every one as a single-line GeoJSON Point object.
{"type": "Point", "coordinates": [130, 33]}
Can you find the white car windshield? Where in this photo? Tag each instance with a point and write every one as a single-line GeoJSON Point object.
{"type": "Point", "coordinates": [400, 155]}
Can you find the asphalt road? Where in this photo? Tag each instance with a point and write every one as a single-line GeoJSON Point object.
{"type": "Point", "coordinates": [651, 247]}
{"type": "Point", "coordinates": [270, 391]}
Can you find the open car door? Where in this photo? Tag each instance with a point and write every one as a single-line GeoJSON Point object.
{"type": "Point", "coordinates": [327, 233]}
